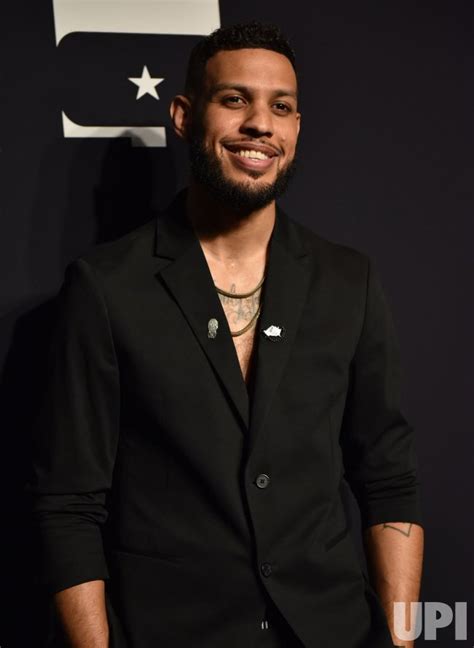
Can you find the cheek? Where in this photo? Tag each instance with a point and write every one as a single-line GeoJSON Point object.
{"type": "Point", "coordinates": [290, 139]}
{"type": "Point", "coordinates": [289, 136]}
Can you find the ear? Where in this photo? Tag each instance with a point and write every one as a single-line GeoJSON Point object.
{"type": "Point", "coordinates": [180, 112]}
{"type": "Point", "coordinates": [298, 123]}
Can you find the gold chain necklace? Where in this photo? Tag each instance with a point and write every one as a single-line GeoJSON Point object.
{"type": "Point", "coordinates": [243, 296]}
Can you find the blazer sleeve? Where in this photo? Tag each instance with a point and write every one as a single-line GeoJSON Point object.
{"type": "Point", "coordinates": [75, 436]}
{"type": "Point", "coordinates": [377, 442]}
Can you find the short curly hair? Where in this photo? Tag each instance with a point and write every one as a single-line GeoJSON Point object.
{"type": "Point", "coordinates": [247, 35]}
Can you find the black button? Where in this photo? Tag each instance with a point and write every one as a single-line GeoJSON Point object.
{"type": "Point", "coordinates": [262, 480]}
{"type": "Point", "coordinates": [266, 569]}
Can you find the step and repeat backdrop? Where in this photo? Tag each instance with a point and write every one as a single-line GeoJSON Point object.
{"type": "Point", "coordinates": [384, 165]}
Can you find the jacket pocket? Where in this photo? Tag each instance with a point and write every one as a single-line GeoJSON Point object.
{"type": "Point", "coordinates": [153, 555]}
{"type": "Point", "coordinates": [339, 519]}
{"type": "Point", "coordinates": [340, 535]}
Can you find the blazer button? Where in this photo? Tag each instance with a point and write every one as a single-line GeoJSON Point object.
{"type": "Point", "coordinates": [262, 480]}
{"type": "Point", "coordinates": [266, 569]}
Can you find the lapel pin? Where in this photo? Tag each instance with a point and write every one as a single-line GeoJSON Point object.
{"type": "Point", "coordinates": [274, 333]}
{"type": "Point", "coordinates": [212, 327]}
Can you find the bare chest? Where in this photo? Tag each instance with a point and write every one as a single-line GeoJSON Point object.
{"type": "Point", "coordinates": [243, 315]}
{"type": "Point", "coordinates": [244, 346]}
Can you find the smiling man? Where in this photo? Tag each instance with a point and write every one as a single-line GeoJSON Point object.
{"type": "Point", "coordinates": [240, 119]}
{"type": "Point", "coordinates": [219, 378]}
{"type": "Point", "coordinates": [230, 146]}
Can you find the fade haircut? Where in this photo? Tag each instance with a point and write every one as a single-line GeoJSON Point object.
{"type": "Point", "coordinates": [252, 35]}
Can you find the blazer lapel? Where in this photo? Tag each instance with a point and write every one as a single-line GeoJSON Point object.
{"type": "Point", "coordinates": [283, 298]}
{"type": "Point", "coordinates": [189, 280]}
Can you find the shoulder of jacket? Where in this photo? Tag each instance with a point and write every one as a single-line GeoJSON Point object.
{"type": "Point", "coordinates": [329, 254]}
{"type": "Point", "coordinates": [109, 257]}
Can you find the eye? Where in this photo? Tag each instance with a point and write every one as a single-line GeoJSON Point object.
{"type": "Point", "coordinates": [282, 107]}
{"type": "Point", "coordinates": [235, 100]}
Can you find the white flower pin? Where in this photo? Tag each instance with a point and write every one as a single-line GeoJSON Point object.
{"type": "Point", "coordinates": [274, 333]}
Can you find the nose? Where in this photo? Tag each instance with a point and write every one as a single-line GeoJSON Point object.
{"type": "Point", "coordinates": [258, 120]}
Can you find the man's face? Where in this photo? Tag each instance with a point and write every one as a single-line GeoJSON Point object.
{"type": "Point", "coordinates": [245, 127]}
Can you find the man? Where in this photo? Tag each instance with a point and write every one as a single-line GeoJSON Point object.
{"type": "Point", "coordinates": [218, 376]}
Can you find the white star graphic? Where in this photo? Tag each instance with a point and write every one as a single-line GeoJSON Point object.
{"type": "Point", "coordinates": [146, 84]}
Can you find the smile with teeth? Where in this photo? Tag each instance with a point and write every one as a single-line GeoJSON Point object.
{"type": "Point", "coordinates": [257, 155]}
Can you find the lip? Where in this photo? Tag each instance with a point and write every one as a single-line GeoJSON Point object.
{"type": "Point", "coordinates": [246, 145]}
{"type": "Point", "coordinates": [251, 163]}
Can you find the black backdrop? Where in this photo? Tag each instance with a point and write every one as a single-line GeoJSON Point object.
{"type": "Point", "coordinates": [385, 165]}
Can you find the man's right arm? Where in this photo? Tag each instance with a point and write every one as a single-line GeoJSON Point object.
{"type": "Point", "coordinates": [81, 610]}
{"type": "Point", "coordinates": [75, 443]}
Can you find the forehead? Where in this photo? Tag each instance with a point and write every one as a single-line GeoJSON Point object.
{"type": "Point", "coordinates": [250, 67]}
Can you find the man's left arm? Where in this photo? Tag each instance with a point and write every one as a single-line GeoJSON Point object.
{"type": "Point", "coordinates": [394, 555]}
{"type": "Point", "coordinates": [380, 461]}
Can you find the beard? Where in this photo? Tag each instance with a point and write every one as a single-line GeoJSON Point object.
{"type": "Point", "coordinates": [241, 197]}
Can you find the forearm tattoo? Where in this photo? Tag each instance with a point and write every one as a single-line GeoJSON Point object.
{"type": "Point", "coordinates": [405, 531]}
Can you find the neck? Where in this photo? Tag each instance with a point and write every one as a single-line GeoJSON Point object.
{"type": "Point", "coordinates": [224, 234]}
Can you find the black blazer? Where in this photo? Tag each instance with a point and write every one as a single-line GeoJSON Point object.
{"type": "Point", "coordinates": [156, 471]}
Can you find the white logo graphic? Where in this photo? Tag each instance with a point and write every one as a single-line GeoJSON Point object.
{"type": "Point", "coordinates": [436, 615]}
{"type": "Point", "coordinates": [152, 136]}
{"type": "Point", "coordinates": [179, 17]}
{"type": "Point", "coordinates": [185, 17]}
{"type": "Point", "coordinates": [146, 84]}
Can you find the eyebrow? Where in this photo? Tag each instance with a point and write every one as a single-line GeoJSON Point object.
{"type": "Point", "coordinates": [278, 92]}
